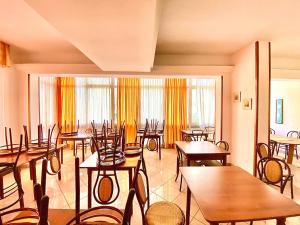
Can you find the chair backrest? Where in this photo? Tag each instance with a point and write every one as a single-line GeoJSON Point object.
{"type": "Point", "coordinates": [293, 133]}
{"type": "Point", "coordinates": [141, 184]}
{"type": "Point", "coordinates": [272, 131]}
{"type": "Point", "coordinates": [31, 216]}
{"type": "Point", "coordinates": [42, 202]}
{"type": "Point", "coordinates": [223, 145]}
{"type": "Point", "coordinates": [8, 144]}
{"type": "Point", "coordinates": [11, 188]}
{"type": "Point", "coordinates": [189, 138]}
{"type": "Point", "coordinates": [104, 192]}
{"type": "Point", "coordinates": [272, 169]}
{"type": "Point", "coordinates": [53, 160]}
{"type": "Point", "coordinates": [263, 150]}
{"type": "Point", "coordinates": [105, 212]}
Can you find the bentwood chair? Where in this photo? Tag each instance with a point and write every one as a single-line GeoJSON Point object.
{"type": "Point", "coordinates": [211, 133]}
{"type": "Point", "coordinates": [272, 171]}
{"type": "Point", "coordinates": [105, 215]}
{"type": "Point", "coordinates": [272, 131]}
{"type": "Point", "coordinates": [222, 145]}
{"type": "Point", "coordinates": [291, 134]}
{"type": "Point", "coordinates": [27, 216]}
{"type": "Point", "coordinates": [12, 168]}
{"type": "Point", "coordinates": [51, 165]}
{"type": "Point", "coordinates": [9, 214]}
{"type": "Point", "coordinates": [161, 213]}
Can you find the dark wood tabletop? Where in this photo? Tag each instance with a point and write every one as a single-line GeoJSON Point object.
{"type": "Point", "coordinates": [200, 148]}
{"type": "Point", "coordinates": [230, 194]}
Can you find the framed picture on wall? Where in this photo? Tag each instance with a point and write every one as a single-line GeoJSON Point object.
{"type": "Point", "coordinates": [237, 96]}
{"type": "Point", "coordinates": [279, 111]}
{"type": "Point", "coordinates": [247, 103]}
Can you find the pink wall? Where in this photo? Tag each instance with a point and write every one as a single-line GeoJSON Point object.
{"type": "Point", "coordinates": [9, 103]}
{"type": "Point", "coordinates": [243, 124]}
{"type": "Point", "coordinates": [243, 130]}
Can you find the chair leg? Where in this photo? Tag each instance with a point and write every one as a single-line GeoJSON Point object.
{"type": "Point", "coordinates": [177, 169]}
{"type": "Point", "coordinates": [292, 188]}
{"type": "Point", "coordinates": [180, 182]}
{"type": "Point", "coordinates": [251, 222]}
{"type": "Point", "coordinates": [296, 152]}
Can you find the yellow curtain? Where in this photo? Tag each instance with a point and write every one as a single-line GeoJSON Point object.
{"type": "Point", "coordinates": [175, 109]}
{"type": "Point", "coordinates": [66, 108]}
{"type": "Point", "coordinates": [128, 105]}
{"type": "Point", "coordinates": [4, 55]}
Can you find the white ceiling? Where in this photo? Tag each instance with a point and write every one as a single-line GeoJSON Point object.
{"type": "Point", "coordinates": [223, 27]}
{"type": "Point", "coordinates": [124, 35]}
{"type": "Point", "coordinates": [116, 35]}
{"type": "Point", "coordinates": [32, 38]}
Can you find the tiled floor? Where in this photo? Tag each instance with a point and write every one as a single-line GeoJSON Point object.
{"type": "Point", "coordinates": [162, 186]}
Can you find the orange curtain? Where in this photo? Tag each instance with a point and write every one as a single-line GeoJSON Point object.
{"type": "Point", "coordinates": [66, 108]}
{"type": "Point", "coordinates": [128, 105]}
{"type": "Point", "coordinates": [4, 55]}
{"type": "Point", "coordinates": [175, 109]}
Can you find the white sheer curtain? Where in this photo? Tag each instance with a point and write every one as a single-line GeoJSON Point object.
{"type": "Point", "coordinates": [47, 92]}
{"type": "Point", "coordinates": [152, 97]}
{"type": "Point", "coordinates": [202, 102]}
{"type": "Point", "coordinates": [93, 100]}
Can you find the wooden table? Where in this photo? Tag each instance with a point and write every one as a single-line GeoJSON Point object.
{"type": "Point", "coordinates": [230, 194]}
{"type": "Point", "coordinates": [195, 133]}
{"type": "Point", "coordinates": [201, 150]}
{"type": "Point", "coordinates": [292, 142]}
{"type": "Point", "coordinates": [91, 165]}
{"type": "Point", "coordinates": [79, 137]}
{"type": "Point", "coordinates": [28, 158]}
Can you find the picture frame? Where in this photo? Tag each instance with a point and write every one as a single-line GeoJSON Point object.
{"type": "Point", "coordinates": [237, 96]}
{"type": "Point", "coordinates": [279, 111]}
{"type": "Point", "coordinates": [247, 103]}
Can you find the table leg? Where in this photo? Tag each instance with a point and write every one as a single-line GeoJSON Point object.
{"type": "Point", "coordinates": [62, 154]}
{"type": "Point", "coordinates": [83, 158]}
{"type": "Point", "coordinates": [89, 188]}
{"type": "Point", "coordinates": [225, 160]}
{"type": "Point", "coordinates": [159, 148]}
{"type": "Point", "coordinates": [213, 223]}
{"type": "Point", "coordinates": [280, 221]}
{"type": "Point", "coordinates": [130, 177]}
{"type": "Point", "coordinates": [188, 161]}
{"type": "Point", "coordinates": [188, 205]}
{"type": "Point", "coordinates": [291, 154]}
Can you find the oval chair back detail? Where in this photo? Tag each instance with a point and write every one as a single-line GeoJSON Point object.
{"type": "Point", "coordinates": [104, 191]}
{"type": "Point", "coordinates": [263, 150]}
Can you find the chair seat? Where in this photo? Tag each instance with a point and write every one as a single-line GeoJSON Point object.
{"type": "Point", "coordinates": [164, 213]}
{"type": "Point", "coordinates": [211, 163]}
{"type": "Point", "coordinates": [5, 169]}
{"type": "Point", "coordinates": [24, 217]}
{"type": "Point", "coordinates": [63, 216]}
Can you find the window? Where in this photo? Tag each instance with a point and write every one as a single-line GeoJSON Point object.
{"type": "Point", "coordinates": [152, 100]}
{"type": "Point", "coordinates": [202, 101]}
{"type": "Point", "coordinates": [94, 99]}
{"type": "Point", "coordinates": [47, 99]}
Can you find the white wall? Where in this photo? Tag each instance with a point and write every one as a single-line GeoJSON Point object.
{"type": "Point", "coordinates": [289, 91]}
